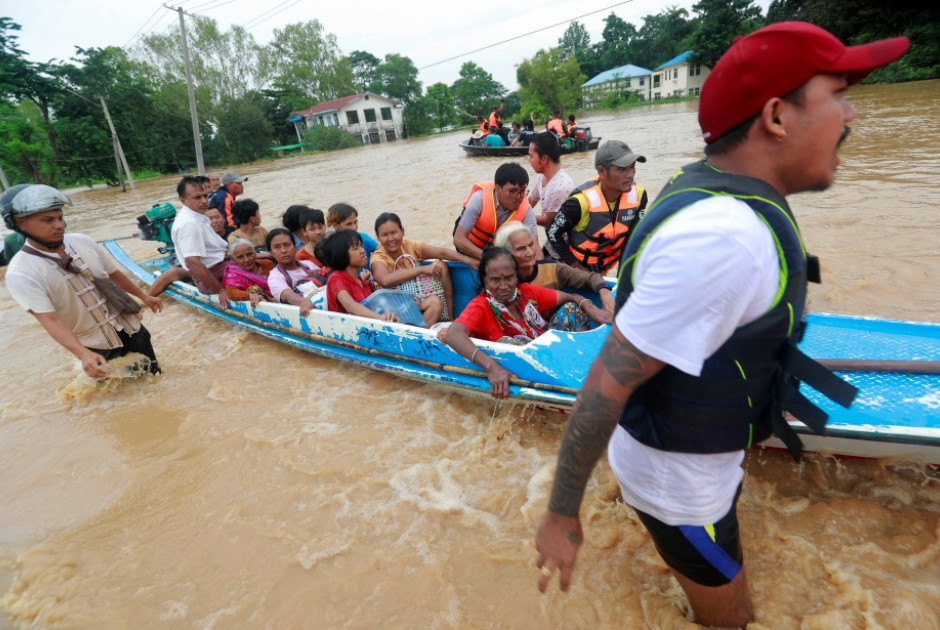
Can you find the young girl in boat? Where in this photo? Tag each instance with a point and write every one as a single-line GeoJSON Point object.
{"type": "Point", "coordinates": [312, 229]}
{"type": "Point", "coordinates": [345, 289]}
{"type": "Point", "coordinates": [342, 216]}
{"type": "Point", "coordinates": [398, 259]}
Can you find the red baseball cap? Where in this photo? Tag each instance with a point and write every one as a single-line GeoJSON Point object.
{"type": "Point", "coordinates": [774, 61]}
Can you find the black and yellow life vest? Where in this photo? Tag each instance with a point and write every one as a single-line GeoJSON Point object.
{"type": "Point", "coordinates": [750, 383]}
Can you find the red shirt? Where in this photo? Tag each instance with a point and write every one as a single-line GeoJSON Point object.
{"type": "Point", "coordinates": [481, 323]}
{"type": "Point", "coordinates": [342, 281]}
{"type": "Point", "coordinates": [303, 255]}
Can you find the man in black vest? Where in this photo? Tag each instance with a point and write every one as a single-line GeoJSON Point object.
{"type": "Point", "coordinates": [688, 378]}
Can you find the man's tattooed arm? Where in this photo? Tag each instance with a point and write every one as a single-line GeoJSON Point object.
{"type": "Point", "coordinates": [616, 373]}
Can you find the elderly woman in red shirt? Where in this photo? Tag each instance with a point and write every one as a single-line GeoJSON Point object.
{"type": "Point", "coordinates": [508, 312]}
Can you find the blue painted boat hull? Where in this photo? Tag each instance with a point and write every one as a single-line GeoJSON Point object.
{"type": "Point", "coordinates": [895, 414]}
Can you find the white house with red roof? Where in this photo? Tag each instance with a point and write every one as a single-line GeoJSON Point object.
{"type": "Point", "coordinates": [371, 118]}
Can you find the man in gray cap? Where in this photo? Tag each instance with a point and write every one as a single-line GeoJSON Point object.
{"type": "Point", "coordinates": [52, 277]}
{"type": "Point", "coordinates": [232, 186]}
{"type": "Point", "coordinates": [591, 228]}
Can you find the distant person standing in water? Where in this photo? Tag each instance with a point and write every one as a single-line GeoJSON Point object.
{"type": "Point", "coordinates": [712, 288]}
{"type": "Point", "coordinates": [52, 278]}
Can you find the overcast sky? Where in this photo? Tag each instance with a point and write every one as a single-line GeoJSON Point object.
{"type": "Point", "coordinates": [431, 33]}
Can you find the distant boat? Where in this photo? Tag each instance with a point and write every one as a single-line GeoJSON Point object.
{"type": "Point", "coordinates": [583, 141]}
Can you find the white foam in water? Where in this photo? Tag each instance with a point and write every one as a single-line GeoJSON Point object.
{"type": "Point", "coordinates": [431, 488]}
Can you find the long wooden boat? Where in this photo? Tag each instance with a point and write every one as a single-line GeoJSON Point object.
{"type": "Point", "coordinates": [893, 363]}
{"type": "Point", "coordinates": [475, 150]}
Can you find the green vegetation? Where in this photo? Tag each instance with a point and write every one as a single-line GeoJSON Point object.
{"type": "Point", "coordinates": [329, 138]}
{"type": "Point", "coordinates": [53, 129]}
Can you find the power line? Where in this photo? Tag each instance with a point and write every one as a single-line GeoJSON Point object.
{"type": "Point", "coordinates": [270, 13]}
{"type": "Point", "coordinates": [134, 36]}
{"type": "Point", "coordinates": [506, 41]}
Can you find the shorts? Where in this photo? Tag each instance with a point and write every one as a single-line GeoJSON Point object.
{"type": "Point", "coordinates": [138, 342]}
{"type": "Point", "coordinates": [709, 555]}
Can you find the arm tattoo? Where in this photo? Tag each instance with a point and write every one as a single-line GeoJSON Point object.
{"type": "Point", "coordinates": [594, 417]}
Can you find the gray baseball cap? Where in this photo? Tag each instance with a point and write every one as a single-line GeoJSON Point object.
{"type": "Point", "coordinates": [230, 177]}
{"type": "Point", "coordinates": [616, 152]}
{"type": "Point", "coordinates": [38, 198]}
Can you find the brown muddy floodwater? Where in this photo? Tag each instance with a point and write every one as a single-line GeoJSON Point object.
{"type": "Point", "coordinates": [257, 486]}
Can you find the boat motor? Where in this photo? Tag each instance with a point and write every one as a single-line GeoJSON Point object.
{"type": "Point", "coordinates": [155, 225]}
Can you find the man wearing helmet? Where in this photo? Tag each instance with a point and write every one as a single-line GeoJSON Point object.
{"type": "Point", "coordinates": [52, 278]}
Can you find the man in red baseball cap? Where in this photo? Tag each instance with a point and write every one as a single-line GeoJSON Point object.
{"type": "Point", "coordinates": [701, 361]}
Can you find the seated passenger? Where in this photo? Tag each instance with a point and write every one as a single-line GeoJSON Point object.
{"type": "Point", "coordinates": [291, 221]}
{"type": "Point", "coordinates": [343, 216]}
{"type": "Point", "coordinates": [508, 312]}
{"type": "Point", "coordinates": [289, 272]}
{"type": "Point", "coordinates": [173, 274]}
{"type": "Point", "coordinates": [248, 215]}
{"type": "Point", "coordinates": [493, 139]}
{"type": "Point", "coordinates": [550, 274]}
{"type": "Point", "coordinates": [246, 277]}
{"type": "Point", "coordinates": [345, 290]}
{"type": "Point", "coordinates": [398, 259]}
{"type": "Point", "coordinates": [217, 223]}
{"type": "Point", "coordinates": [312, 229]}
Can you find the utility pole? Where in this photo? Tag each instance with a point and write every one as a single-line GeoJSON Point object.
{"type": "Point", "coordinates": [118, 151]}
{"type": "Point", "coordinates": [192, 94]}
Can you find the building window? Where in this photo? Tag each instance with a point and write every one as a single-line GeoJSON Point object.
{"type": "Point", "coordinates": [675, 73]}
{"type": "Point", "coordinates": [387, 114]}
{"type": "Point", "coordinates": [352, 118]}
{"type": "Point", "coordinates": [370, 115]}
{"type": "Point", "coordinates": [373, 137]}
{"type": "Point", "coordinates": [656, 81]}
{"type": "Point", "coordinates": [336, 120]}
{"type": "Point", "coordinates": [358, 137]}
{"type": "Point", "coordinates": [389, 135]}
{"type": "Point", "coordinates": [642, 81]}
{"type": "Point", "coordinates": [628, 83]}
{"type": "Point", "coordinates": [695, 71]}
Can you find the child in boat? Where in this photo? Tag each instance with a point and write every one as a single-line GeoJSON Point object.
{"type": "Point", "coordinates": [345, 290]}
{"type": "Point", "coordinates": [313, 229]}
{"type": "Point", "coordinates": [343, 216]}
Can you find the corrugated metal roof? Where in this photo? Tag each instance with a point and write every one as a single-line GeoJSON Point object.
{"type": "Point", "coordinates": [675, 61]}
{"type": "Point", "coordinates": [623, 72]}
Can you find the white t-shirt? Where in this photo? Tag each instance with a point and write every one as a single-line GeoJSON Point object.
{"type": "Point", "coordinates": [278, 283]}
{"type": "Point", "coordinates": [193, 236]}
{"type": "Point", "coordinates": [552, 195]}
{"type": "Point", "coordinates": [39, 286]}
{"type": "Point", "coordinates": [705, 272]}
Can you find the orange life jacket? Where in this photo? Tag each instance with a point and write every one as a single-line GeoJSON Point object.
{"type": "Point", "coordinates": [555, 125]}
{"type": "Point", "coordinates": [485, 228]}
{"type": "Point", "coordinates": [494, 119]}
{"type": "Point", "coordinates": [484, 127]}
{"type": "Point", "coordinates": [599, 245]}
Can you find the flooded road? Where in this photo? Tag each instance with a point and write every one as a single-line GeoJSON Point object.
{"type": "Point", "coordinates": [257, 486]}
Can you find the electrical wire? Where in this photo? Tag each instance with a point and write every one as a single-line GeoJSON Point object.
{"type": "Point", "coordinates": [250, 24]}
{"type": "Point", "coordinates": [539, 30]}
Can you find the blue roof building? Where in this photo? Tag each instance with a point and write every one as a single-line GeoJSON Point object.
{"type": "Point", "coordinates": [676, 77]}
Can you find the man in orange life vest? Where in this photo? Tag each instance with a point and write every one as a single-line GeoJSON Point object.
{"type": "Point", "coordinates": [491, 204]}
{"type": "Point", "coordinates": [600, 214]}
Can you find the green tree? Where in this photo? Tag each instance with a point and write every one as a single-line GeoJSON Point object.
{"type": "Point", "coordinates": [245, 132]}
{"type": "Point", "coordinates": [303, 58]}
{"type": "Point", "coordinates": [363, 67]}
{"type": "Point", "coordinates": [719, 23]}
{"type": "Point", "coordinates": [574, 39]}
{"type": "Point", "coordinates": [397, 79]}
{"type": "Point", "coordinates": [662, 37]}
{"type": "Point", "coordinates": [24, 148]}
{"type": "Point", "coordinates": [549, 81]}
{"type": "Point", "coordinates": [616, 48]}
{"type": "Point", "coordinates": [441, 105]}
{"type": "Point", "coordinates": [330, 138]}
{"type": "Point", "coordinates": [476, 92]}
